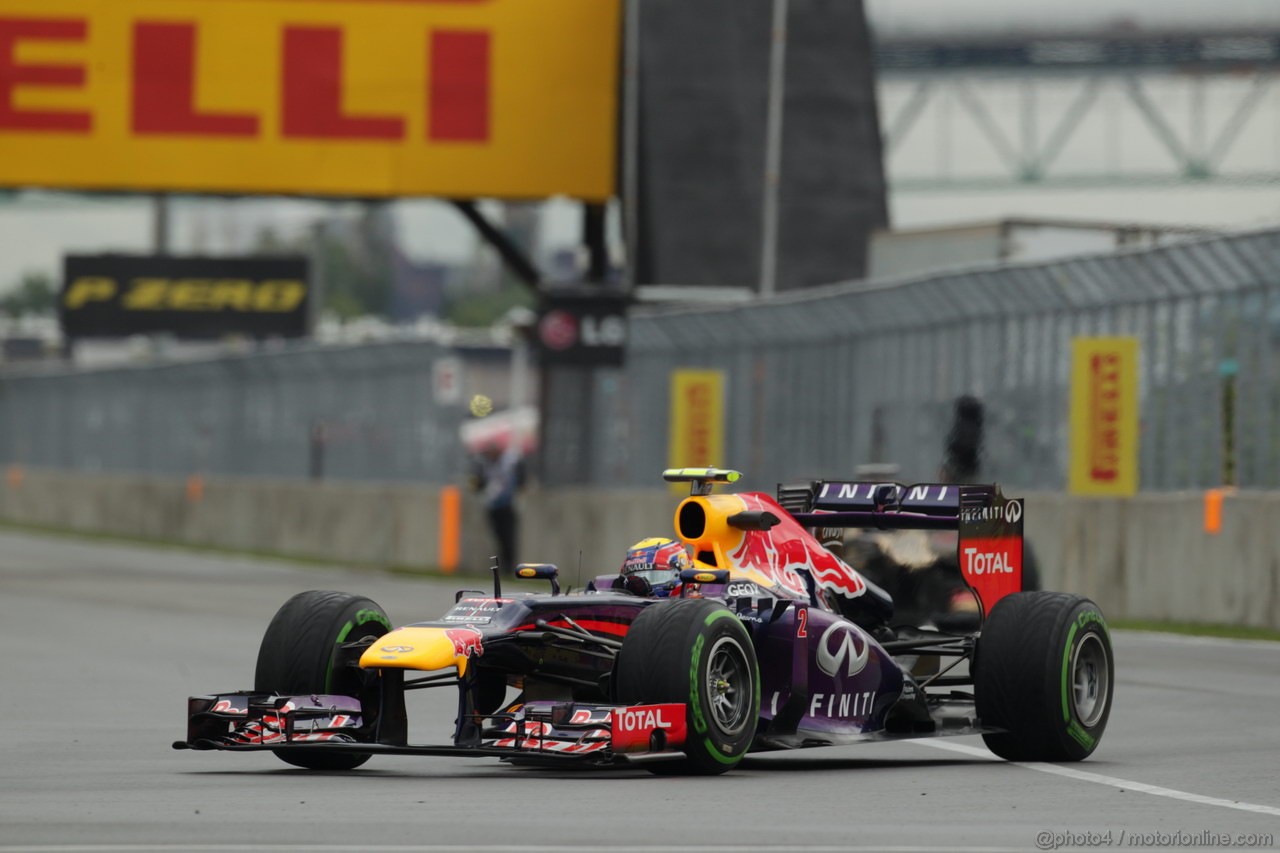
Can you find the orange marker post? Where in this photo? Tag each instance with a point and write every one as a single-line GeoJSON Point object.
{"type": "Point", "coordinates": [450, 528]}
{"type": "Point", "coordinates": [1213, 511]}
{"type": "Point", "coordinates": [195, 489]}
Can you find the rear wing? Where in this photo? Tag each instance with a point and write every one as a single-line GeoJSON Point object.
{"type": "Point", "coordinates": [989, 546]}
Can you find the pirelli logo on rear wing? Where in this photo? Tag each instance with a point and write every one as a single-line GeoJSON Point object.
{"type": "Point", "coordinates": [989, 545]}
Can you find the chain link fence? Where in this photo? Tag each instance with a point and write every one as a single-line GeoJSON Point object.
{"type": "Point", "coordinates": [816, 383]}
{"type": "Point", "coordinates": [355, 412]}
{"type": "Point", "coordinates": [820, 382]}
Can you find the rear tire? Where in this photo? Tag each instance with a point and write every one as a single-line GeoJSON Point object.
{"type": "Point", "coordinates": [1045, 673]}
{"type": "Point", "coordinates": [696, 652]}
{"type": "Point", "coordinates": [299, 655]}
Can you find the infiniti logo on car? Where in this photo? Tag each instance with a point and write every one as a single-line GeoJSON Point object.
{"type": "Point", "coordinates": [847, 651]}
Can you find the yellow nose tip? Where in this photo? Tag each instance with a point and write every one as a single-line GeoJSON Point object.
{"type": "Point", "coordinates": [421, 648]}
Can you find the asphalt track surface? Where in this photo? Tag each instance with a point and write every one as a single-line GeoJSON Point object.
{"type": "Point", "coordinates": [103, 643]}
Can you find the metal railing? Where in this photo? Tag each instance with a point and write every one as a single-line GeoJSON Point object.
{"type": "Point", "coordinates": [357, 412]}
{"type": "Point", "coordinates": [817, 382]}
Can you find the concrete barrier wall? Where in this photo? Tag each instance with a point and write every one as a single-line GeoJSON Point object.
{"type": "Point", "coordinates": [1142, 558]}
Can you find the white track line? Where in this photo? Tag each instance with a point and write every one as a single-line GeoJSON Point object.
{"type": "Point", "coordinates": [1112, 781]}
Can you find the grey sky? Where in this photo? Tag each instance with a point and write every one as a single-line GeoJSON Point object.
{"type": "Point", "coordinates": [945, 17]}
{"type": "Point", "coordinates": [34, 236]}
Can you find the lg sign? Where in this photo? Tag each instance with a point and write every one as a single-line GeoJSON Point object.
{"type": "Point", "coordinates": [368, 97]}
{"type": "Point", "coordinates": [561, 330]}
{"type": "Point", "coordinates": [583, 328]}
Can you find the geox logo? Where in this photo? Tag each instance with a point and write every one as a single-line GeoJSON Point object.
{"type": "Point", "coordinates": [269, 296]}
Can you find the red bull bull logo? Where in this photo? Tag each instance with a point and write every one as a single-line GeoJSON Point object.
{"type": "Point", "coordinates": [778, 552]}
{"type": "Point", "coordinates": [467, 641]}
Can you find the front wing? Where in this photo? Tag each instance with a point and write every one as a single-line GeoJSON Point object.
{"type": "Point", "coordinates": [249, 722]}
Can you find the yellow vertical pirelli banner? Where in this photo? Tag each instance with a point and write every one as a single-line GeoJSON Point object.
{"type": "Point", "coordinates": [697, 419]}
{"type": "Point", "coordinates": [1104, 416]}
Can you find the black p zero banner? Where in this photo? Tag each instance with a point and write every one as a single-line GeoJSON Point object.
{"type": "Point", "coordinates": [112, 296]}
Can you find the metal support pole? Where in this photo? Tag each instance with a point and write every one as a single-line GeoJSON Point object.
{"type": "Point", "coordinates": [593, 238]}
{"type": "Point", "coordinates": [502, 244]}
{"type": "Point", "coordinates": [631, 140]}
{"type": "Point", "coordinates": [160, 222]}
{"type": "Point", "coordinates": [773, 149]}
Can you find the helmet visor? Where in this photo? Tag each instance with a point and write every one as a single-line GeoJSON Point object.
{"type": "Point", "coordinates": [656, 577]}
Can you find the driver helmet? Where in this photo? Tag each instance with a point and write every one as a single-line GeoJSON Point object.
{"type": "Point", "coordinates": [652, 566]}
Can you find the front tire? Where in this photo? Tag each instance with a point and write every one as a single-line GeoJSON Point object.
{"type": "Point", "coordinates": [696, 652]}
{"type": "Point", "coordinates": [1045, 673]}
{"type": "Point", "coordinates": [299, 655]}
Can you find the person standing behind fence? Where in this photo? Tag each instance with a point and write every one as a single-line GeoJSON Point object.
{"type": "Point", "coordinates": [498, 476]}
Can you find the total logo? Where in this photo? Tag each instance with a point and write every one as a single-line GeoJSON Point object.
{"type": "Point", "coordinates": [642, 719]}
{"type": "Point", "coordinates": [990, 563]}
{"type": "Point", "coordinates": [842, 646]}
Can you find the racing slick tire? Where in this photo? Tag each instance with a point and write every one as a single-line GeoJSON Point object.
{"type": "Point", "coordinates": [1045, 673]}
{"type": "Point", "coordinates": [299, 655]}
{"type": "Point", "coordinates": [694, 651]}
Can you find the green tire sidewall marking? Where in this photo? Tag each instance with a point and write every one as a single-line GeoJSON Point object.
{"type": "Point", "coordinates": [362, 617]}
{"type": "Point", "coordinates": [369, 615]}
{"type": "Point", "coordinates": [719, 614]}
{"type": "Point", "coordinates": [342, 636]}
{"type": "Point", "coordinates": [695, 704]}
{"type": "Point", "coordinates": [699, 723]}
{"type": "Point", "coordinates": [1074, 728]}
{"type": "Point", "coordinates": [725, 614]}
{"type": "Point", "coordinates": [1080, 735]}
{"type": "Point", "coordinates": [1066, 668]}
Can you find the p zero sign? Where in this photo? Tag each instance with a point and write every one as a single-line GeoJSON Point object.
{"type": "Point", "coordinates": [505, 98]}
{"type": "Point", "coordinates": [111, 296]}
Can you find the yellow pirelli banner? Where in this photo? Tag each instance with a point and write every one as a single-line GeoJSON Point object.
{"type": "Point", "coordinates": [1104, 416]}
{"type": "Point", "coordinates": [504, 98]}
{"type": "Point", "coordinates": [697, 419]}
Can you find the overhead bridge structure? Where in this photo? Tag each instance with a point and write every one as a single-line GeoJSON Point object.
{"type": "Point", "coordinates": [1095, 110]}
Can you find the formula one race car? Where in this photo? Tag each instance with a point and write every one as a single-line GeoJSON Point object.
{"type": "Point", "coordinates": [769, 642]}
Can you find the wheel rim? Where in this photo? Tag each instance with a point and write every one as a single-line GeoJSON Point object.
{"type": "Point", "coordinates": [1090, 680]}
{"type": "Point", "coordinates": [729, 686]}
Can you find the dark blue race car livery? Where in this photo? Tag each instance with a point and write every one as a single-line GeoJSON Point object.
{"type": "Point", "coordinates": [770, 641]}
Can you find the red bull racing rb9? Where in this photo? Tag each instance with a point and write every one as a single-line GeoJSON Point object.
{"type": "Point", "coordinates": [768, 641]}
